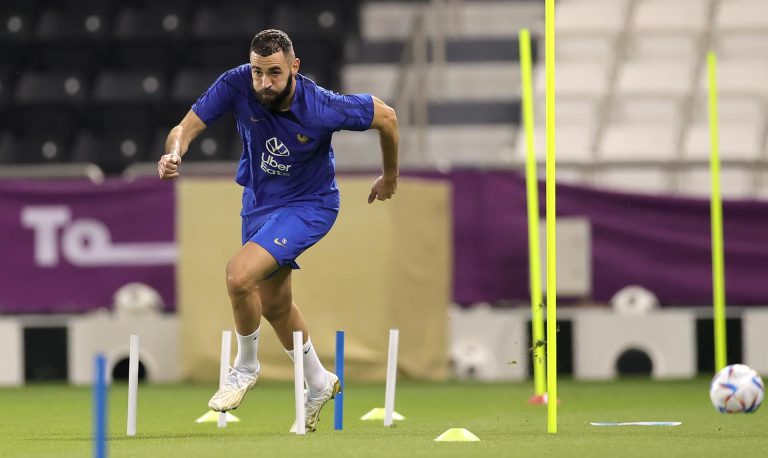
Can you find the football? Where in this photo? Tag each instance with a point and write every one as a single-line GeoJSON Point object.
{"type": "Point", "coordinates": [137, 299]}
{"type": "Point", "coordinates": [737, 389]}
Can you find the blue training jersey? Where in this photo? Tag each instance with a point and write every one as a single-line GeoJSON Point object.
{"type": "Point", "coordinates": [287, 157]}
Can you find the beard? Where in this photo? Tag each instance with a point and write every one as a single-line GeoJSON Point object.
{"type": "Point", "coordinates": [277, 99]}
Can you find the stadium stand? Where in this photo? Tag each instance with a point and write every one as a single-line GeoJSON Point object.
{"type": "Point", "coordinates": [631, 81]}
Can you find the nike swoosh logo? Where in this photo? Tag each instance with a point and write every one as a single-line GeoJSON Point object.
{"type": "Point", "coordinates": [255, 119]}
{"type": "Point", "coordinates": [306, 351]}
{"type": "Point", "coordinates": [278, 242]}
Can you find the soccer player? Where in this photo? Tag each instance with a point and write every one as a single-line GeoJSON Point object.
{"type": "Point", "coordinates": [290, 199]}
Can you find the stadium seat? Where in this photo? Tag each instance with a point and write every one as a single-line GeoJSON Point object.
{"type": "Point", "coordinates": [604, 18]}
{"type": "Point", "coordinates": [741, 29]}
{"type": "Point", "coordinates": [460, 113]}
{"type": "Point", "coordinates": [74, 22]}
{"type": "Point", "coordinates": [113, 149]}
{"type": "Point", "coordinates": [651, 90]}
{"type": "Point", "coordinates": [741, 141]}
{"type": "Point", "coordinates": [144, 56]}
{"type": "Point", "coordinates": [570, 111]}
{"type": "Point", "coordinates": [382, 21]}
{"type": "Point", "coordinates": [229, 22]}
{"type": "Point", "coordinates": [484, 49]}
{"type": "Point", "coordinates": [377, 79]}
{"type": "Point", "coordinates": [155, 23]}
{"type": "Point", "coordinates": [44, 145]}
{"type": "Point", "coordinates": [740, 77]}
{"type": "Point", "coordinates": [322, 21]}
{"type": "Point", "coordinates": [626, 109]}
{"type": "Point", "coordinates": [573, 144]}
{"type": "Point", "coordinates": [470, 145]}
{"type": "Point", "coordinates": [664, 79]}
{"type": "Point", "coordinates": [41, 88]}
{"type": "Point", "coordinates": [489, 81]}
{"type": "Point", "coordinates": [217, 56]}
{"type": "Point", "coordinates": [71, 35]}
{"type": "Point", "coordinates": [735, 182]}
{"type": "Point", "coordinates": [48, 103]}
{"type": "Point", "coordinates": [664, 47]}
{"type": "Point", "coordinates": [638, 142]}
{"type": "Point", "coordinates": [477, 81]}
{"type": "Point", "coordinates": [667, 30]}
{"type": "Point", "coordinates": [581, 87]}
{"type": "Point", "coordinates": [137, 87]}
{"type": "Point", "coordinates": [189, 84]}
{"type": "Point", "coordinates": [575, 79]}
{"type": "Point", "coordinates": [584, 48]}
{"type": "Point", "coordinates": [588, 30]}
{"type": "Point", "coordinates": [211, 145]}
{"type": "Point", "coordinates": [16, 21]}
{"type": "Point", "coordinates": [634, 179]}
{"type": "Point", "coordinates": [742, 16]}
{"type": "Point", "coordinates": [486, 19]}
{"type": "Point", "coordinates": [357, 150]}
{"type": "Point", "coordinates": [739, 45]}
{"type": "Point", "coordinates": [730, 108]}
{"type": "Point", "coordinates": [665, 17]}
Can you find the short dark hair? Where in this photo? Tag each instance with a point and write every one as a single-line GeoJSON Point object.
{"type": "Point", "coordinates": [270, 41]}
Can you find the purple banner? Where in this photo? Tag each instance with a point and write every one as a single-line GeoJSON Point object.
{"type": "Point", "coordinates": [68, 245]}
{"type": "Point", "coordinates": [660, 243]}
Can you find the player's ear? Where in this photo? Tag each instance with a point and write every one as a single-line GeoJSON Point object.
{"type": "Point", "coordinates": [295, 66]}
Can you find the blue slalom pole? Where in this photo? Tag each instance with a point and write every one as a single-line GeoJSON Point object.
{"type": "Point", "coordinates": [100, 407]}
{"type": "Point", "coordinates": [338, 403]}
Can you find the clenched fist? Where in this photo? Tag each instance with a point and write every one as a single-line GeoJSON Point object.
{"type": "Point", "coordinates": [168, 166]}
{"type": "Point", "coordinates": [383, 188]}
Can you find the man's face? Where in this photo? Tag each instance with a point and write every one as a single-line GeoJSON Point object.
{"type": "Point", "coordinates": [273, 78]}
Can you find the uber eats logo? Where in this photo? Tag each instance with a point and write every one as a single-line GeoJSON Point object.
{"type": "Point", "coordinates": [270, 162]}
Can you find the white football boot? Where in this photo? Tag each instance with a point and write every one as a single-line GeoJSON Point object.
{"type": "Point", "coordinates": [230, 394]}
{"type": "Point", "coordinates": [313, 402]}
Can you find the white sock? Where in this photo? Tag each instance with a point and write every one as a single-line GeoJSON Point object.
{"type": "Point", "coordinates": [247, 346]}
{"type": "Point", "coordinates": [315, 375]}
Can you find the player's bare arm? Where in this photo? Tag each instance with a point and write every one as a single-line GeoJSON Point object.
{"type": "Point", "coordinates": [177, 144]}
{"type": "Point", "coordinates": [385, 121]}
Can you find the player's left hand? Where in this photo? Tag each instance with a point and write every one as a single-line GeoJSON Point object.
{"type": "Point", "coordinates": [383, 188]}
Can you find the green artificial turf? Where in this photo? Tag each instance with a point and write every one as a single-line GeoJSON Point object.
{"type": "Point", "coordinates": [55, 421]}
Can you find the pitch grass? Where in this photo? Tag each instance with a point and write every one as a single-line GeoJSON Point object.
{"type": "Point", "coordinates": [55, 421]}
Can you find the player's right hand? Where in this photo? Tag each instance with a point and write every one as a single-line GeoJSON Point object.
{"type": "Point", "coordinates": [168, 166]}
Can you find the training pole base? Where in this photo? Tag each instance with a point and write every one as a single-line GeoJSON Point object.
{"type": "Point", "coordinates": [541, 399]}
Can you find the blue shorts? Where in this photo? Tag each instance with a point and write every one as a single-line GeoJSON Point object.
{"type": "Point", "coordinates": [288, 231]}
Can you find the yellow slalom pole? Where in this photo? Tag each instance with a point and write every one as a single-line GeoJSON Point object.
{"type": "Point", "coordinates": [716, 214]}
{"type": "Point", "coordinates": [532, 193]}
{"type": "Point", "coordinates": [549, 19]}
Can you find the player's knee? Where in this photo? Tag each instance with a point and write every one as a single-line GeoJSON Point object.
{"type": "Point", "coordinates": [239, 281]}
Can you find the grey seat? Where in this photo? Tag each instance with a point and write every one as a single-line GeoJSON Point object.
{"type": "Point", "coordinates": [38, 147]}
{"type": "Point", "coordinates": [111, 150]}
{"type": "Point", "coordinates": [189, 84]}
{"type": "Point", "coordinates": [211, 145]}
{"type": "Point", "coordinates": [229, 22]}
{"type": "Point", "coordinates": [68, 21]}
{"type": "Point", "coordinates": [137, 87]}
{"type": "Point", "coordinates": [163, 21]}
{"type": "Point", "coordinates": [43, 88]}
{"type": "Point", "coordinates": [16, 21]}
